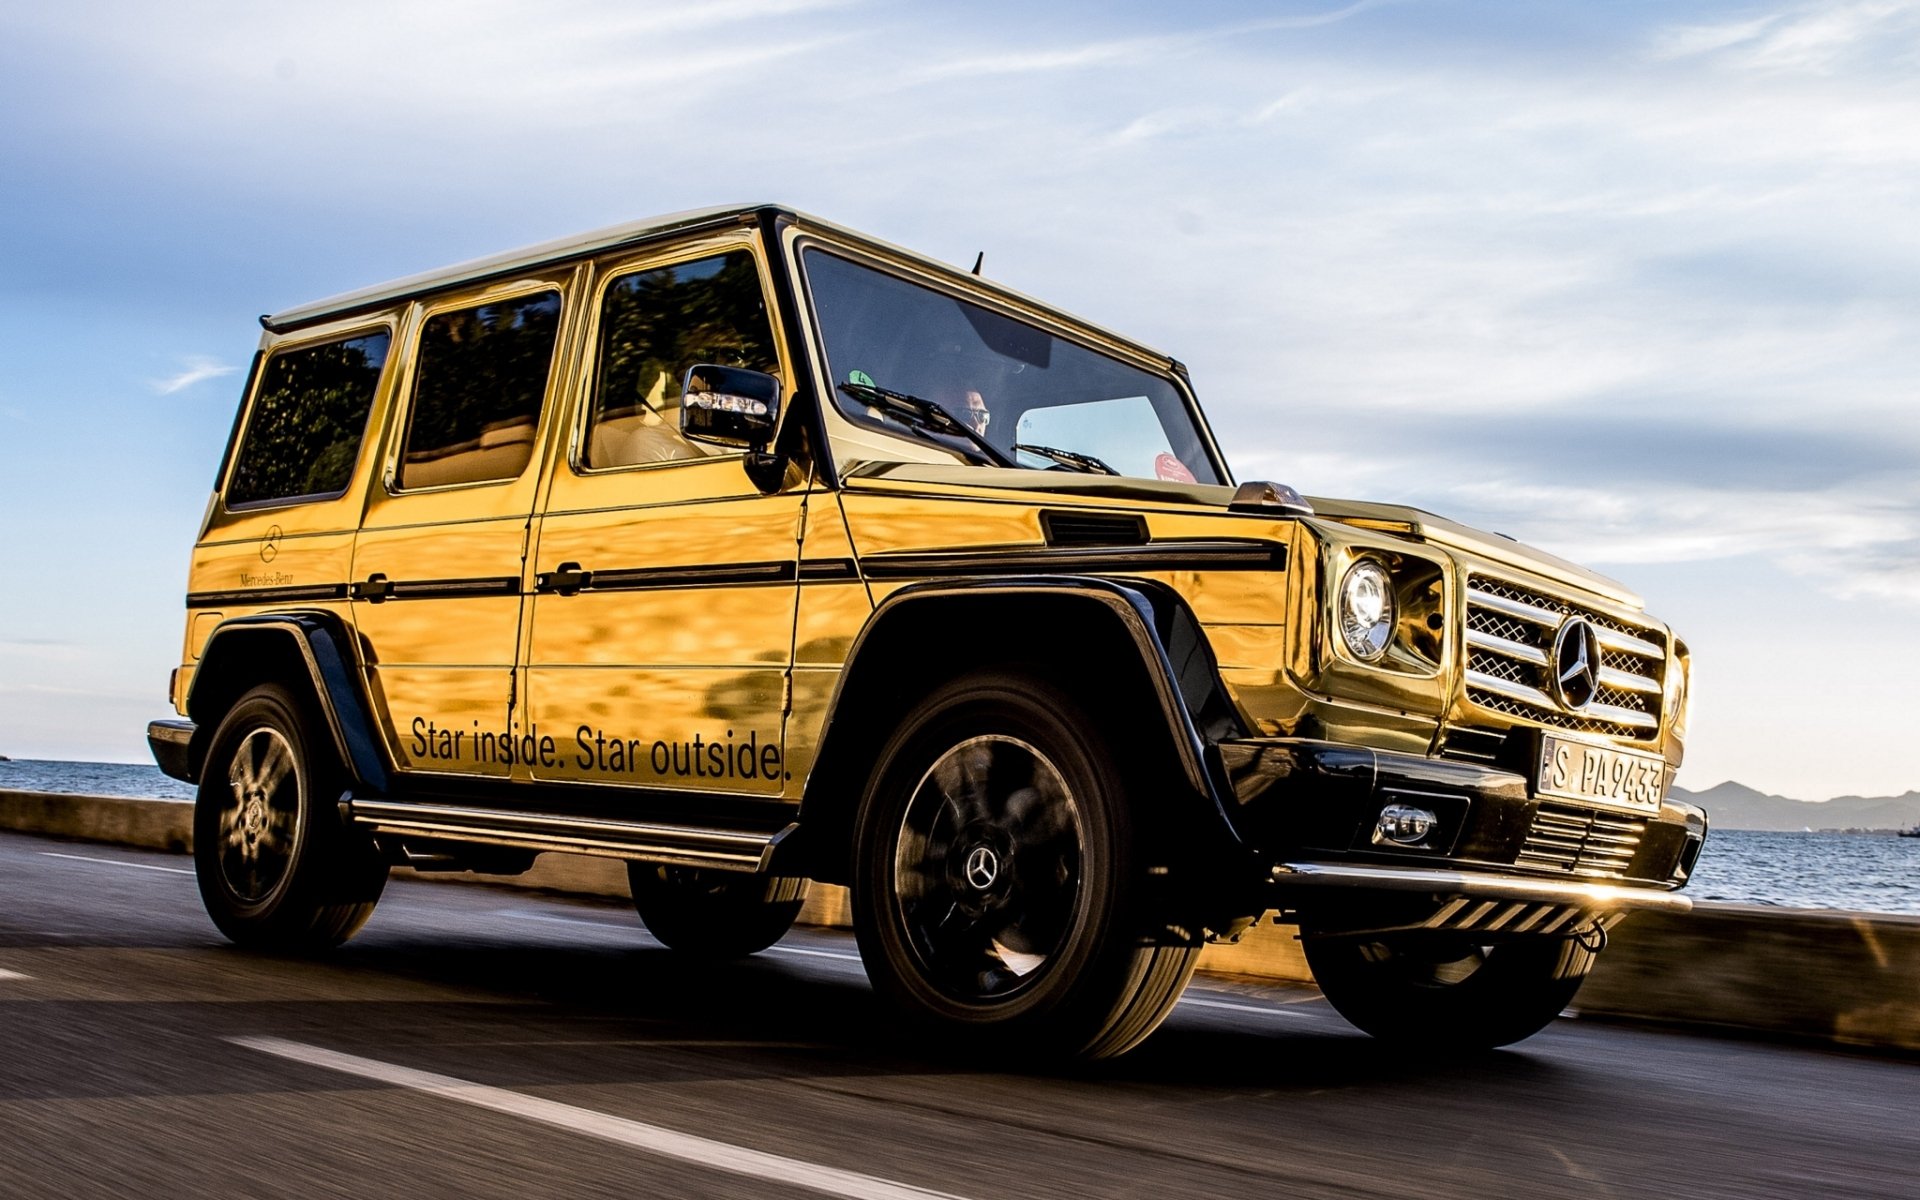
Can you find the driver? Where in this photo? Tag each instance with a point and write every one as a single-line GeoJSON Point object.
{"type": "Point", "coordinates": [973, 411]}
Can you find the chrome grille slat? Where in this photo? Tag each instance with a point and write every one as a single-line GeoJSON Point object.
{"type": "Point", "coordinates": [1621, 681]}
{"type": "Point", "coordinates": [1509, 636]}
{"type": "Point", "coordinates": [1531, 655]}
{"type": "Point", "coordinates": [1582, 841]}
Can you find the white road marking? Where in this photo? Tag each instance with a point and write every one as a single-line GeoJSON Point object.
{"type": "Point", "coordinates": [1246, 1008]}
{"type": "Point", "coordinates": [813, 953]}
{"type": "Point", "coordinates": [652, 1139]}
{"type": "Point", "coordinates": [117, 862]}
{"type": "Point", "coordinates": [6, 974]}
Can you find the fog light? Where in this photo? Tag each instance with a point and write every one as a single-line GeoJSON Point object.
{"type": "Point", "coordinates": [1403, 825]}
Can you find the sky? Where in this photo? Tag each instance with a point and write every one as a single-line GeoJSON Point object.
{"type": "Point", "coordinates": [1638, 283]}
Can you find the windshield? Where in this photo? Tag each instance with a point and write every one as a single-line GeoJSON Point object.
{"type": "Point", "coordinates": [1037, 400]}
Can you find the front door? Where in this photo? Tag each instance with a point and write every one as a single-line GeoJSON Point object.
{"type": "Point", "coordinates": [663, 616]}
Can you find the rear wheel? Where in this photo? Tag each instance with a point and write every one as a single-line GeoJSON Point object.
{"type": "Point", "coordinates": [998, 889]}
{"type": "Point", "coordinates": [714, 914]}
{"type": "Point", "coordinates": [277, 868]}
{"type": "Point", "coordinates": [1448, 993]}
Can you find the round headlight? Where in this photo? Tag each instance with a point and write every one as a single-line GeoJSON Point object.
{"type": "Point", "coordinates": [1366, 610]}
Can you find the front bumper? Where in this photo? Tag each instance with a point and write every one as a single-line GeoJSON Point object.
{"type": "Point", "coordinates": [1308, 809]}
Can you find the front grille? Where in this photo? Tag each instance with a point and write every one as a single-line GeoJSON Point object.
{"type": "Point", "coordinates": [1581, 841]}
{"type": "Point", "coordinates": [1510, 633]}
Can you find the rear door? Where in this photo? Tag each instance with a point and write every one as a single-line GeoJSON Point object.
{"type": "Point", "coordinates": [439, 564]}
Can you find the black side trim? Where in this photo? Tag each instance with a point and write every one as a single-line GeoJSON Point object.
{"type": "Point", "coordinates": [830, 570]}
{"type": "Point", "coordinates": [1182, 677]}
{"type": "Point", "coordinates": [231, 663]}
{"type": "Point", "coordinates": [1219, 555]}
{"type": "Point", "coordinates": [569, 579]}
{"type": "Point", "coordinates": [718, 575]}
{"type": "Point", "coordinates": [301, 593]}
{"type": "Point", "coordinates": [380, 588]}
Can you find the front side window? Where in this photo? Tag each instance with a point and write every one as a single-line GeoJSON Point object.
{"type": "Point", "coordinates": [895, 348]}
{"type": "Point", "coordinates": [478, 390]}
{"type": "Point", "coordinates": [653, 326]}
{"type": "Point", "coordinates": [309, 416]}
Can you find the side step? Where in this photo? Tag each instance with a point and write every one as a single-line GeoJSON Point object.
{"type": "Point", "coordinates": [675, 845]}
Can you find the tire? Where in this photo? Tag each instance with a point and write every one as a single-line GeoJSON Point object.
{"type": "Point", "coordinates": [714, 914]}
{"type": "Point", "coordinates": [998, 894]}
{"type": "Point", "coordinates": [1446, 993]}
{"type": "Point", "coordinates": [278, 870]}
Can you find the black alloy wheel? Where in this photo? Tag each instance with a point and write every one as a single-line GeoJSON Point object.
{"type": "Point", "coordinates": [1446, 993]}
{"type": "Point", "coordinates": [714, 914]}
{"type": "Point", "coordinates": [277, 867]}
{"type": "Point", "coordinates": [999, 891]}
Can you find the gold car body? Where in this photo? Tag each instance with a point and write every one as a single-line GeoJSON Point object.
{"type": "Point", "coordinates": [675, 626]}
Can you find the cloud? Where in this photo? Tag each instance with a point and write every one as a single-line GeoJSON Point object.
{"type": "Point", "coordinates": [1807, 38]}
{"type": "Point", "coordinates": [198, 369]}
{"type": "Point", "coordinates": [1154, 49]}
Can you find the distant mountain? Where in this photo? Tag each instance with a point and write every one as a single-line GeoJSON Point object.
{"type": "Point", "coordinates": [1736, 806]}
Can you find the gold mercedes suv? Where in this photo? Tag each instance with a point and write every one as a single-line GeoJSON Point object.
{"type": "Point", "coordinates": [753, 551]}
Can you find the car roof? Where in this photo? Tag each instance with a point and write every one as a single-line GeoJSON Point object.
{"type": "Point", "coordinates": [508, 263]}
{"type": "Point", "coordinates": [513, 262]}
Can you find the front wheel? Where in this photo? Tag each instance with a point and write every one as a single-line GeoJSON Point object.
{"type": "Point", "coordinates": [714, 914]}
{"type": "Point", "coordinates": [1449, 993]}
{"type": "Point", "coordinates": [277, 868]}
{"type": "Point", "coordinates": [999, 890]}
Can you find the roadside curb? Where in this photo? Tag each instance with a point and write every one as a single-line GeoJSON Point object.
{"type": "Point", "coordinates": [151, 824]}
{"type": "Point", "coordinates": [1840, 978]}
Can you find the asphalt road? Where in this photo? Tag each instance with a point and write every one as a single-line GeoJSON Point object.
{"type": "Point", "coordinates": [478, 1042]}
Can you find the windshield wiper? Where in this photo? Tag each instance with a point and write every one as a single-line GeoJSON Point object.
{"type": "Point", "coordinates": [1068, 458]}
{"type": "Point", "coordinates": [924, 414]}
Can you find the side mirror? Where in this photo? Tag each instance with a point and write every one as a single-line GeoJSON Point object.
{"type": "Point", "coordinates": [727, 406]}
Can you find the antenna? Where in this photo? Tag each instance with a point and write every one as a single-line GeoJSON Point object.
{"type": "Point", "coordinates": [977, 261]}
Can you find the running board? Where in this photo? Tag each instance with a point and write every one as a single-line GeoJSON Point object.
{"type": "Point", "coordinates": [674, 845]}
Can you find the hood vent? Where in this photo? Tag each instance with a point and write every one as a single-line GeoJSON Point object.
{"type": "Point", "coordinates": [1093, 528]}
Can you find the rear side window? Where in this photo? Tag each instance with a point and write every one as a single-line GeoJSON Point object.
{"type": "Point", "coordinates": [477, 393]}
{"type": "Point", "coordinates": [309, 416]}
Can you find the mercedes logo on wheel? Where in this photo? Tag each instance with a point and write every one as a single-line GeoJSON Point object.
{"type": "Point", "coordinates": [983, 867]}
{"type": "Point", "coordinates": [1576, 663]}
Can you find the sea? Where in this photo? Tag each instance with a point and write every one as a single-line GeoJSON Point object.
{"type": "Point", "coordinates": [1860, 872]}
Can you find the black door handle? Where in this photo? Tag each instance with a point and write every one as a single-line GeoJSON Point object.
{"type": "Point", "coordinates": [563, 580]}
{"type": "Point", "coordinates": [377, 588]}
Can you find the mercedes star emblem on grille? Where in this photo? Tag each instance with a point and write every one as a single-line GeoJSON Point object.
{"type": "Point", "coordinates": [1576, 663]}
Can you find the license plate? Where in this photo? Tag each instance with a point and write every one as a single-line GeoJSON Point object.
{"type": "Point", "coordinates": [1583, 771]}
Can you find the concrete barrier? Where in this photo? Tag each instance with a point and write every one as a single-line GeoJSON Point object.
{"type": "Point", "coordinates": [152, 824]}
{"type": "Point", "coordinates": [1840, 978]}
{"type": "Point", "coordinates": [1846, 978]}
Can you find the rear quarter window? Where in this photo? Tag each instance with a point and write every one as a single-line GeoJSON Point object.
{"type": "Point", "coordinates": [478, 392]}
{"type": "Point", "coordinates": [309, 417]}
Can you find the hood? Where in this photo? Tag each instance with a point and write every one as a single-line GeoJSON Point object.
{"type": "Point", "coordinates": [1493, 547]}
{"type": "Point", "coordinates": [1388, 518]}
